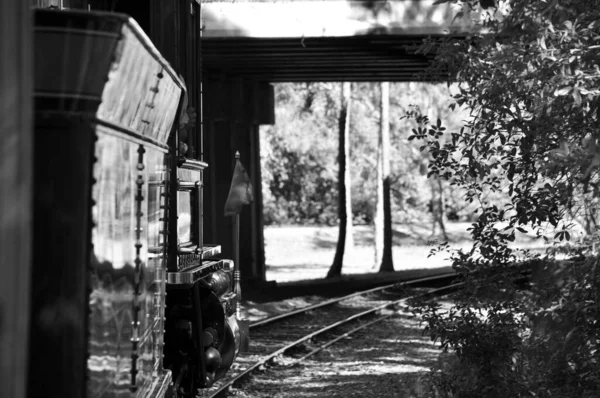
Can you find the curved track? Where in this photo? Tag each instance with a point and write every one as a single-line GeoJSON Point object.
{"type": "Point", "coordinates": [295, 332]}
{"type": "Point", "coordinates": [444, 279]}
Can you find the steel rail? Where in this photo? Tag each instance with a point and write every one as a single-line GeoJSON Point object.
{"type": "Point", "coordinates": [302, 310]}
{"type": "Point", "coordinates": [332, 342]}
{"type": "Point", "coordinates": [363, 326]}
{"type": "Point", "coordinates": [359, 328]}
{"type": "Point", "coordinates": [309, 336]}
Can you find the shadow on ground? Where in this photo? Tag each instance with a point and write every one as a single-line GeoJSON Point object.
{"type": "Point", "coordinates": [294, 267]}
{"type": "Point", "coordinates": [385, 361]}
{"type": "Point", "coordinates": [408, 234]}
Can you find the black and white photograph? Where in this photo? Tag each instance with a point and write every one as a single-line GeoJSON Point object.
{"type": "Point", "coordinates": [300, 198]}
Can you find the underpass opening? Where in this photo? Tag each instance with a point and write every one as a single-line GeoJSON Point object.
{"type": "Point", "coordinates": [299, 159]}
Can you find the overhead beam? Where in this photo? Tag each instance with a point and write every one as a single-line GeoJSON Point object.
{"type": "Point", "coordinates": [354, 58]}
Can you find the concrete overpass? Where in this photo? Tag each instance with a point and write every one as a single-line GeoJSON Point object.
{"type": "Point", "coordinates": [247, 45]}
{"type": "Point", "coordinates": [329, 40]}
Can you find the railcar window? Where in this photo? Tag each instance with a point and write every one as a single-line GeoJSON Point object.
{"type": "Point", "coordinates": [184, 216]}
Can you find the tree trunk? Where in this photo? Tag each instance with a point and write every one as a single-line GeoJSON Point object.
{"type": "Point", "coordinates": [438, 207]}
{"type": "Point", "coordinates": [387, 263]}
{"type": "Point", "coordinates": [345, 240]}
{"type": "Point", "coordinates": [432, 208]}
{"type": "Point", "coordinates": [442, 209]}
{"type": "Point", "coordinates": [589, 219]}
{"type": "Point", "coordinates": [378, 219]}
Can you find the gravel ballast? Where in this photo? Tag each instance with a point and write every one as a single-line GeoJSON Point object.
{"type": "Point", "coordinates": [386, 360]}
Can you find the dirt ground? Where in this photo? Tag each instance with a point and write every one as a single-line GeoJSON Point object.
{"type": "Point", "coordinates": [389, 360]}
{"type": "Point", "coordinates": [306, 252]}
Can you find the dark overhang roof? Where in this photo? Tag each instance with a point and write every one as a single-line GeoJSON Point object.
{"type": "Point", "coordinates": [355, 58]}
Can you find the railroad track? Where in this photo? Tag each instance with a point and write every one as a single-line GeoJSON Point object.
{"type": "Point", "coordinates": [302, 333]}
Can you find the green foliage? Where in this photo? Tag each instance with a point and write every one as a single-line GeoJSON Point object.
{"type": "Point", "coordinates": [411, 188]}
{"type": "Point", "coordinates": [303, 187]}
{"type": "Point", "coordinates": [299, 154]}
{"type": "Point", "coordinates": [503, 342]}
{"type": "Point", "coordinates": [485, 347]}
{"type": "Point", "coordinates": [530, 79]}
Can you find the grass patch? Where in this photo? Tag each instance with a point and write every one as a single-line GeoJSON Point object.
{"type": "Point", "coordinates": [296, 252]}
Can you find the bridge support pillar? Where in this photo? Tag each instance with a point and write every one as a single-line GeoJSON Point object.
{"type": "Point", "coordinates": [234, 109]}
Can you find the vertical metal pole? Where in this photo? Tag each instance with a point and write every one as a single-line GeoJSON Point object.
{"type": "Point", "coordinates": [201, 99]}
{"type": "Point", "coordinates": [242, 323]}
{"type": "Point", "coordinates": [236, 266]}
{"type": "Point", "coordinates": [199, 192]}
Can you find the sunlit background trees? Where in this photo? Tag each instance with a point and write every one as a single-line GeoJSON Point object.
{"type": "Point", "coordinates": [299, 154]}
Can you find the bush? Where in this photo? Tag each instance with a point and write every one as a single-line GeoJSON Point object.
{"type": "Point", "coordinates": [531, 86]}
{"type": "Point", "coordinates": [482, 346]}
{"type": "Point", "coordinates": [541, 342]}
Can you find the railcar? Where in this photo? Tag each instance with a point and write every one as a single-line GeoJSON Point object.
{"type": "Point", "coordinates": [127, 298]}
